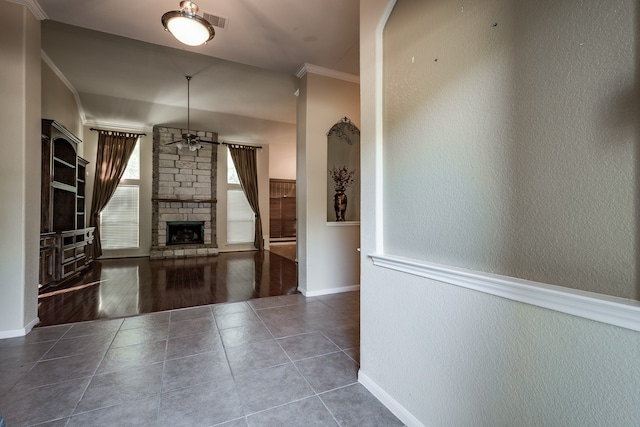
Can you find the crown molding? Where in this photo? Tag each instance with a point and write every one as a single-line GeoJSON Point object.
{"type": "Point", "coordinates": [66, 82]}
{"type": "Point", "coordinates": [83, 116]}
{"type": "Point", "coordinates": [316, 69]}
{"type": "Point", "coordinates": [34, 8]}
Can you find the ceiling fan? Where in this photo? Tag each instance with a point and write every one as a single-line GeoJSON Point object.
{"type": "Point", "coordinates": [190, 140]}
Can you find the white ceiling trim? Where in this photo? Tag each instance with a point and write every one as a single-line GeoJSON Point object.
{"type": "Point", "coordinates": [34, 8]}
{"type": "Point", "coordinates": [316, 69]}
{"type": "Point", "coordinates": [66, 82]}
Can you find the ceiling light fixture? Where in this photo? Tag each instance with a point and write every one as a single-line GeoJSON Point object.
{"type": "Point", "coordinates": [186, 26]}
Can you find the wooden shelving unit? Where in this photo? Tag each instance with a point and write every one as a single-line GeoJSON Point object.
{"type": "Point", "coordinates": [65, 242]}
{"type": "Point", "coordinates": [80, 193]}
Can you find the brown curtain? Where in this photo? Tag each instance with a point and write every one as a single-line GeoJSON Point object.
{"type": "Point", "coordinates": [114, 150]}
{"type": "Point", "coordinates": [244, 159]}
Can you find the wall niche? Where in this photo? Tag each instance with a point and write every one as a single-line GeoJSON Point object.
{"type": "Point", "coordinates": [343, 177]}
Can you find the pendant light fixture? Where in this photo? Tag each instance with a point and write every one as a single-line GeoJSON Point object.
{"type": "Point", "coordinates": [190, 140]}
{"type": "Point", "coordinates": [187, 26]}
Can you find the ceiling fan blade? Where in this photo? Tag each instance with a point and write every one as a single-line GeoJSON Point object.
{"type": "Point", "coordinates": [175, 142]}
{"type": "Point", "coordinates": [207, 140]}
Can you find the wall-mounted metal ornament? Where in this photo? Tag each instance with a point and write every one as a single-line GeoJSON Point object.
{"type": "Point", "coordinates": [345, 130]}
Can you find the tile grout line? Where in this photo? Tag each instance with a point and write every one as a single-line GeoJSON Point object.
{"type": "Point", "coordinates": [22, 376]}
{"type": "Point", "coordinates": [164, 365]}
{"type": "Point", "coordinates": [316, 394]}
{"type": "Point", "coordinates": [233, 376]}
{"type": "Point", "coordinates": [94, 371]}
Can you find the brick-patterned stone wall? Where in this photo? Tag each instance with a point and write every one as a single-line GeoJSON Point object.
{"type": "Point", "coordinates": [184, 189]}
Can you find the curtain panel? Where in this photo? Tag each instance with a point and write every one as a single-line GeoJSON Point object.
{"type": "Point", "coordinates": [244, 159]}
{"type": "Point", "coordinates": [114, 150]}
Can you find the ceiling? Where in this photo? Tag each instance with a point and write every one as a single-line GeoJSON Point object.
{"type": "Point", "coordinates": [130, 74]}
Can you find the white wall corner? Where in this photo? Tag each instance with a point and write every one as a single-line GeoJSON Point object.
{"type": "Point", "coordinates": [396, 408]}
{"type": "Point", "coordinates": [20, 332]}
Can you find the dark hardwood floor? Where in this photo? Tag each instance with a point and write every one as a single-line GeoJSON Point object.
{"type": "Point", "coordinates": [129, 286]}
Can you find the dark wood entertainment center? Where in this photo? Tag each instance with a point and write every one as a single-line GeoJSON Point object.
{"type": "Point", "coordinates": [66, 244]}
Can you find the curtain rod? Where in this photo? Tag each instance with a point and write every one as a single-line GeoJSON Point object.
{"type": "Point", "coordinates": [239, 145]}
{"type": "Point", "coordinates": [118, 131]}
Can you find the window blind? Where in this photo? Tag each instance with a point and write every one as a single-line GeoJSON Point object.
{"type": "Point", "coordinates": [240, 218]}
{"type": "Point", "coordinates": [119, 221]}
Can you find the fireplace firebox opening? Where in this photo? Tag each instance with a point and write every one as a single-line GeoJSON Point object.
{"type": "Point", "coordinates": [185, 232]}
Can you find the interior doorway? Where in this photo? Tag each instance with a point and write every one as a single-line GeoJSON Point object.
{"type": "Point", "coordinates": [282, 210]}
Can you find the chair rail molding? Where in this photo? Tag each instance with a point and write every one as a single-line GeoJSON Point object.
{"type": "Point", "coordinates": [615, 311]}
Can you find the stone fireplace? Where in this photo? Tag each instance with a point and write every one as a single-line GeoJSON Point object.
{"type": "Point", "coordinates": [183, 197]}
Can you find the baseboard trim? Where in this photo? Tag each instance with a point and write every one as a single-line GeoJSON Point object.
{"type": "Point", "coordinates": [20, 332]}
{"type": "Point", "coordinates": [396, 408]}
{"type": "Point", "coordinates": [615, 311]}
{"type": "Point", "coordinates": [330, 291]}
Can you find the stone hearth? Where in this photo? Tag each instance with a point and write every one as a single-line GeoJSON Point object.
{"type": "Point", "coordinates": [184, 190]}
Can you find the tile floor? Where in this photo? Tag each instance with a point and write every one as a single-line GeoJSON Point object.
{"type": "Point", "coordinates": [277, 361]}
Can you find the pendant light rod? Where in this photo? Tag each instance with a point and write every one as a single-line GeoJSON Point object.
{"type": "Point", "coordinates": [188, 104]}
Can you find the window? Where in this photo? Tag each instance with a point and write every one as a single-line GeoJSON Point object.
{"type": "Point", "coordinates": [120, 219]}
{"type": "Point", "coordinates": [240, 216]}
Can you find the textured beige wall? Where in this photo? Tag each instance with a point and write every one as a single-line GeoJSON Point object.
{"type": "Point", "coordinates": [32, 162]}
{"type": "Point", "coordinates": [19, 168]}
{"type": "Point", "coordinates": [450, 356]}
{"type": "Point", "coordinates": [282, 159]}
{"type": "Point", "coordinates": [327, 255]}
{"type": "Point", "coordinates": [455, 357]}
{"type": "Point", "coordinates": [302, 179]}
{"type": "Point", "coordinates": [509, 139]}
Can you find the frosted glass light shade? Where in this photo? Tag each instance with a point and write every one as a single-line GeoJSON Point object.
{"type": "Point", "coordinates": [187, 26]}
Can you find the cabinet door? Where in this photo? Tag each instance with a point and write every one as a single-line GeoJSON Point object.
{"type": "Point", "coordinates": [47, 266]}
